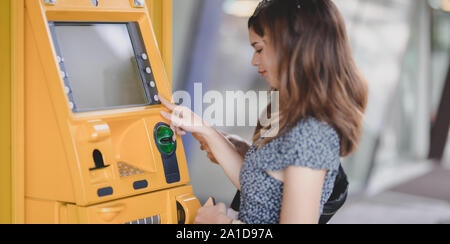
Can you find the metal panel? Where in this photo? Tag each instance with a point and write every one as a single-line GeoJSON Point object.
{"type": "Point", "coordinates": [161, 14]}
{"type": "Point", "coordinates": [5, 113]}
{"type": "Point", "coordinates": [17, 112]}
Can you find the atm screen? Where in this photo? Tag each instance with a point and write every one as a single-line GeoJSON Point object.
{"type": "Point", "coordinates": [104, 65]}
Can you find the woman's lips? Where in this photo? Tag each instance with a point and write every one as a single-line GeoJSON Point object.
{"type": "Point", "coordinates": [262, 72]}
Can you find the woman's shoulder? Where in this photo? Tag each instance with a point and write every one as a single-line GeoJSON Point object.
{"type": "Point", "coordinates": [312, 130]}
{"type": "Point", "coordinates": [312, 143]}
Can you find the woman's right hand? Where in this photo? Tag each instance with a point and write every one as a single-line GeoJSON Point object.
{"type": "Point", "coordinates": [241, 146]}
{"type": "Point", "coordinates": [182, 119]}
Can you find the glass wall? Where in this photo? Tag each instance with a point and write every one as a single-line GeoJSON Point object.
{"type": "Point", "coordinates": [379, 32]}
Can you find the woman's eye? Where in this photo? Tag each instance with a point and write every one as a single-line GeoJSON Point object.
{"type": "Point", "coordinates": [259, 51]}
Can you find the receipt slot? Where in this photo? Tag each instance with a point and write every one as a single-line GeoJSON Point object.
{"type": "Point", "coordinates": [96, 148]}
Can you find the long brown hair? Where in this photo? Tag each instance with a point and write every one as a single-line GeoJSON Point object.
{"type": "Point", "coordinates": [317, 73]}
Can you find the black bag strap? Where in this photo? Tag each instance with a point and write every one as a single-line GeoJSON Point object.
{"type": "Point", "coordinates": [236, 203]}
{"type": "Point", "coordinates": [337, 198]}
{"type": "Point", "coordinates": [334, 203]}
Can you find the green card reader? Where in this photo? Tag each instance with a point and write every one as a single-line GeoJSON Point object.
{"type": "Point", "coordinates": [163, 135]}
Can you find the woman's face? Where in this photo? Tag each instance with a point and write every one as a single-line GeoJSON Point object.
{"type": "Point", "coordinates": [264, 58]}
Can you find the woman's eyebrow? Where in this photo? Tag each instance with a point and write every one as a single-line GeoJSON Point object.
{"type": "Point", "coordinates": [255, 43]}
{"type": "Point", "coordinates": [258, 42]}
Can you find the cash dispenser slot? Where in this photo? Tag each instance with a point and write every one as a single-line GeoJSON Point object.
{"type": "Point", "coordinates": [174, 206]}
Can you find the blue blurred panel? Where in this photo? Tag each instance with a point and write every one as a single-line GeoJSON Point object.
{"type": "Point", "coordinates": [205, 42]}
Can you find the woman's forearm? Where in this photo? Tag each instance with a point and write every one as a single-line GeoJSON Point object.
{"type": "Point", "coordinates": [223, 150]}
{"type": "Point", "coordinates": [225, 153]}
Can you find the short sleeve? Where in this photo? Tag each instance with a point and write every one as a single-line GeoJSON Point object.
{"type": "Point", "coordinates": [312, 144]}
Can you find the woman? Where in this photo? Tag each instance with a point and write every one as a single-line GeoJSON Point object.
{"type": "Point", "coordinates": [302, 50]}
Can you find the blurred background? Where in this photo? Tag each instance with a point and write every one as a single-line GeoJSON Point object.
{"type": "Point", "coordinates": [401, 172]}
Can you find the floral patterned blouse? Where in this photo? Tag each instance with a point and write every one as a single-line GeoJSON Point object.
{"type": "Point", "coordinates": [310, 143]}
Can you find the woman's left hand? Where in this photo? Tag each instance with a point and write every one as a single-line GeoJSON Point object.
{"type": "Point", "coordinates": [216, 214]}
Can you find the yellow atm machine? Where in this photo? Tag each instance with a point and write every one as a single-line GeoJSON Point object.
{"type": "Point", "coordinates": [96, 149]}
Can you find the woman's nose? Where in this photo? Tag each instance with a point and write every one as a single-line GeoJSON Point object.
{"type": "Point", "coordinates": [255, 60]}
